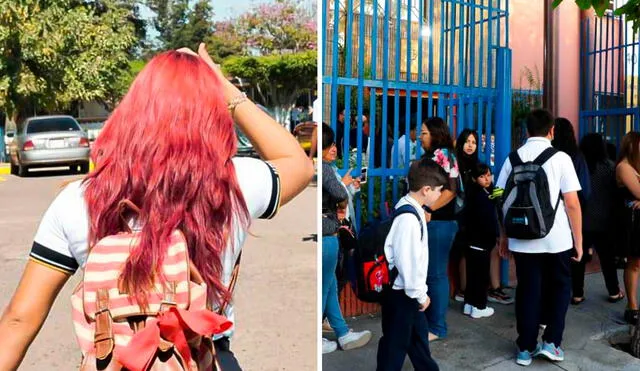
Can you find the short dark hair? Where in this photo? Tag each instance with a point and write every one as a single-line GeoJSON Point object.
{"type": "Point", "coordinates": [440, 136]}
{"type": "Point", "coordinates": [539, 123]}
{"type": "Point", "coordinates": [426, 173]}
{"type": "Point", "coordinates": [479, 170]}
{"type": "Point", "coordinates": [328, 136]}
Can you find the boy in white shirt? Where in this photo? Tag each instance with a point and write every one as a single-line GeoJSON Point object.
{"type": "Point", "coordinates": [404, 326]}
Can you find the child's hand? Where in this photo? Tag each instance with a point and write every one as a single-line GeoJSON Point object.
{"type": "Point", "coordinates": [503, 247]}
{"type": "Point", "coordinates": [424, 306]}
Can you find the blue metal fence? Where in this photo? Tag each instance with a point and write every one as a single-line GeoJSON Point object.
{"type": "Point", "coordinates": [397, 60]}
{"type": "Point", "coordinates": [609, 81]}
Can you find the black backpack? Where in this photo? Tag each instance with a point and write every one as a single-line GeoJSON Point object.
{"type": "Point", "coordinates": [527, 209]}
{"type": "Point", "coordinates": [372, 269]}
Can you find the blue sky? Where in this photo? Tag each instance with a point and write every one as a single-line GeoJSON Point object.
{"type": "Point", "coordinates": [223, 9]}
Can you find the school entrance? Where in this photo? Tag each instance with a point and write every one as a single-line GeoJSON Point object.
{"type": "Point", "coordinates": [387, 62]}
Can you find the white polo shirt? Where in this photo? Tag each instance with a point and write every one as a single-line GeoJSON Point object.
{"type": "Point", "coordinates": [562, 178]}
{"type": "Point", "coordinates": [405, 250]}
{"type": "Point", "coordinates": [61, 242]}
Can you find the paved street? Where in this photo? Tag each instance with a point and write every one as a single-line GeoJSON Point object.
{"type": "Point", "coordinates": [488, 344]}
{"type": "Point", "coordinates": [276, 292]}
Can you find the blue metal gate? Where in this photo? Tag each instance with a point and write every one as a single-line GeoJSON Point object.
{"type": "Point", "coordinates": [609, 81]}
{"type": "Point", "coordinates": [394, 60]}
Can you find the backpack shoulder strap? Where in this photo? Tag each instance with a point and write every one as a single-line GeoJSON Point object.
{"type": "Point", "coordinates": [408, 209]}
{"type": "Point", "coordinates": [515, 159]}
{"type": "Point", "coordinates": [232, 283]}
{"type": "Point", "coordinates": [545, 156]}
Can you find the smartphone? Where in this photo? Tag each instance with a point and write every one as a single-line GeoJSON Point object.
{"type": "Point", "coordinates": [363, 175]}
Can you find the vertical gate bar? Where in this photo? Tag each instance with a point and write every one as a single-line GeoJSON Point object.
{"type": "Point", "coordinates": [431, 33]}
{"type": "Point", "coordinates": [373, 117]}
{"type": "Point", "coordinates": [418, 122]}
{"type": "Point", "coordinates": [592, 59]}
{"type": "Point", "coordinates": [385, 105]}
{"type": "Point", "coordinates": [481, 74]}
{"type": "Point", "coordinates": [421, 36]}
{"type": "Point", "coordinates": [582, 82]}
{"type": "Point", "coordinates": [506, 22]}
{"type": "Point", "coordinates": [441, 65]}
{"type": "Point", "coordinates": [452, 46]}
{"type": "Point", "coordinates": [481, 130]}
{"type": "Point", "coordinates": [346, 150]}
{"type": "Point", "coordinates": [461, 40]}
{"type": "Point", "coordinates": [490, 46]}
{"type": "Point", "coordinates": [599, 91]}
{"type": "Point", "coordinates": [503, 115]}
{"type": "Point", "coordinates": [489, 130]}
{"type": "Point", "coordinates": [613, 54]}
{"type": "Point", "coordinates": [396, 102]}
{"type": "Point", "coordinates": [620, 75]}
{"type": "Point", "coordinates": [335, 66]}
{"type": "Point", "coordinates": [408, 96]}
{"type": "Point", "coordinates": [362, 17]}
{"type": "Point", "coordinates": [472, 46]}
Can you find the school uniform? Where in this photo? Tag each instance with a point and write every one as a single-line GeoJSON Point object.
{"type": "Point", "coordinates": [543, 265]}
{"type": "Point", "coordinates": [482, 230]}
{"type": "Point", "coordinates": [404, 327]}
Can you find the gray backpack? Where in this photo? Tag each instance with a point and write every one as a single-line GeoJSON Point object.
{"type": "Point", "coordinates": [527, 209]}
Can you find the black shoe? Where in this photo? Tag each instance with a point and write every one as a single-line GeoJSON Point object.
{"type": "Point", "coordinates": [631, 316]}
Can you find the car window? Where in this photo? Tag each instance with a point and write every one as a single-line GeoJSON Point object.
{"type": "Point", "coordinates": [52, 124]}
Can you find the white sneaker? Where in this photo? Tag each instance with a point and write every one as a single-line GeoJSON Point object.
{"type": "Point", "coordinates": [467, 309]}
{"type": "Point", "coordinates": [353, 340]}
{"type": "Point", "coordinates": [328, 346]}
{"type": "Point", "coordinates": [480, 313]}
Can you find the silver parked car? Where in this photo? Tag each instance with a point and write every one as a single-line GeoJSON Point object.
{"type": "Point", "coordinates": [48, 141]}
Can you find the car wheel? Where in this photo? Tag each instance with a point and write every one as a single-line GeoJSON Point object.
{"type": "Point", "coordinates": [84, 168]}
{"type": "Point", "coordinates": [22, 170]}
{"type": "Point", "coordinates": [14, 169]}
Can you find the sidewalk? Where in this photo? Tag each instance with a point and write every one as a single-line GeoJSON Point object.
{"type": "Point", "coordinates": [489, 344]}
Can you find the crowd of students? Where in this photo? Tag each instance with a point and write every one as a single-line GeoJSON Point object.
{"type": "Point", "coordinates": [549, 193]}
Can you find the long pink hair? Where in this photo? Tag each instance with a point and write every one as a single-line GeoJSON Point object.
{"type": "Point", "coordinates": [167, 148]}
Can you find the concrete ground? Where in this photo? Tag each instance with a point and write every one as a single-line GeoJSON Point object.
{"type": "Point", "coordinates": [275, 296]}
{"type": "Point", "coordinates": [489, 344]}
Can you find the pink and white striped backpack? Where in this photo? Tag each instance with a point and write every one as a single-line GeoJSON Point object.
{"type": "Point", "coordinates": [173, 332]}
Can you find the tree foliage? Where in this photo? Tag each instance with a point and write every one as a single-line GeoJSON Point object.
{"type": "Point", "coordinates": [278, 79]}
{"type": "Point", "coordinates": [54, 53]}
{"type": "Point", "coordinates": [181, 24]}
{"type": "Point", "coordinates": [631, 9]}
{"type": "Point", "coordinates": [277, 28]}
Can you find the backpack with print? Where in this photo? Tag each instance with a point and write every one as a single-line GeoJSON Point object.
{"type": "Point", "coordinates": [527, 209]}
{"type": "Point", "coordinates": [372, 268]}
{"type": "Point", "coordinates": [173, 331]}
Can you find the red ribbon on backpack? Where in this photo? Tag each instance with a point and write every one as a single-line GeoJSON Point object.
{"type": "Point", "coordinates": [173, 325]}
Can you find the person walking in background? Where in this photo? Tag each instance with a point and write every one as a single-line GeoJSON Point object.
{"type": "Point", "coordinates": [542, 250]}
{"type": "Point", "coordinates": [599, 215]}
{"type": "Point", "coordinates": [438, 146]}
{"type": "Point", "coordinates": [481, 220]}
{"type": "Point", "coordinates": [628, 182]}
{"type": "Point", "coordinates": [404, 326]}
{"type": "Point", "coordinates": [334, 195]}
{"type": "Point", "coordinates": [565, 140]}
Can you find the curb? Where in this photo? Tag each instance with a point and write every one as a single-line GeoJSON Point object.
{"type": "Point", "coordinates": [5, 169]}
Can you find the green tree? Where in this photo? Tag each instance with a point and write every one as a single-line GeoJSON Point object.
{"type": "Point", "coordinates": [631, 9]}
{"type": "Point", "coordinates": [180, 24]}
{"type": "Point", "coordinates": [278, 79]}
{"type": "Point", "coordinates": [55, 53]}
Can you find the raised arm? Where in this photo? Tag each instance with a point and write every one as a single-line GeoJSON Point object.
{"type": "Point", "coordinates": [27, 311]}
{"type": "Point", "coordinates": [272, 141]}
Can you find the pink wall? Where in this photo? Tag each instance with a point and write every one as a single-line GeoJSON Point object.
{"type": "Point", "coordinates": [567, 61]}
{"type": "Point", "coordinates": [526, 39]}
{"type": "Point", "coordinates": [526, 28]}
